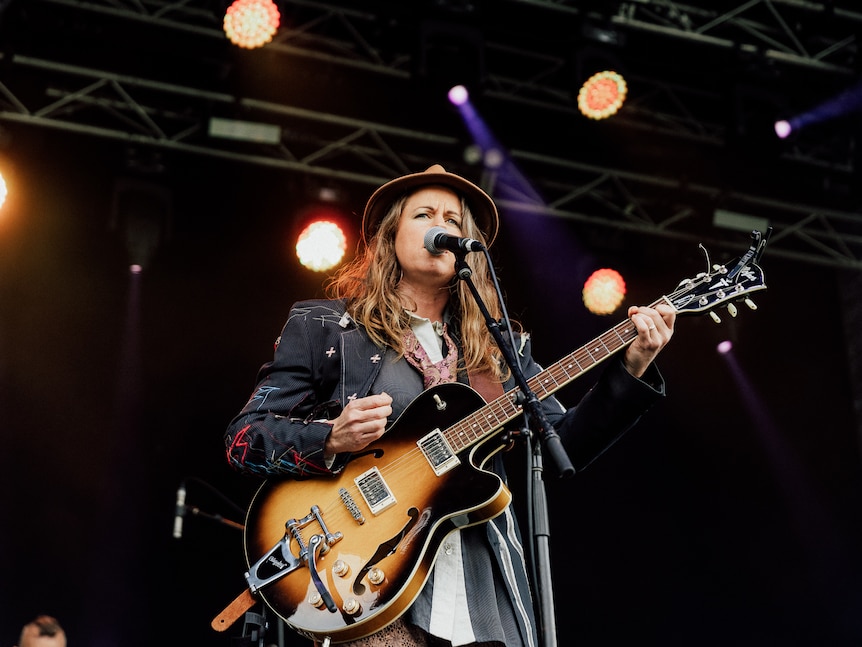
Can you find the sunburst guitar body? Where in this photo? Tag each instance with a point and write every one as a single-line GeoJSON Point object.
{"type": "Point", "coordinates": [380, 521]}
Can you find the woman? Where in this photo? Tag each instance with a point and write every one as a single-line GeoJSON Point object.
{"type": "Point", "coordinates": [399, 322]}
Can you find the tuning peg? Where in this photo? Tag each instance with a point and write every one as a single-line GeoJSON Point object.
{"type": "Point", "coordinates": [751, 304]}
{"type": "Point", "coordinates": [731, 309]}
{"type": "Point", "coordinates": [714, 316]}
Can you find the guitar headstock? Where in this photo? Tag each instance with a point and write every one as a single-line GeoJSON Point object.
{"type": "Point", "coordinates": [723, 285]}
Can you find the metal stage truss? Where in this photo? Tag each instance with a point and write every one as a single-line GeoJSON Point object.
{"type": "Point", "coordinates": [696, 75]}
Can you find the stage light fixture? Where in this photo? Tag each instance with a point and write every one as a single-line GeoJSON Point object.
{"type": "Point", "coordinates": [244, 131]}
{"type": "Point", "coordinates": [783, 128]}
{"type": "Point", "coordinates": [739, 221]}
{"type": "Point", "coordinates": [321, 245]}
{"type": "Point", "coordinates": [251, 23]}
{"type": "Point", "coordinates": [602, 95]}
{"type": "Point", "coordinates": [4, 191]}
{"type": "Point", "coordinates": [604, 291]}
{"type": "Point", "coordinates": [458, 95]}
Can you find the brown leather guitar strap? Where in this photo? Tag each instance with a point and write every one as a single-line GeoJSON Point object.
{"type": "Point", "coordinates": [242, 603]}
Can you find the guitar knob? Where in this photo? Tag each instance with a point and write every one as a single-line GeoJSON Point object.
{"type": "Point", "coordinates": [340, 568]}
{"type": "Point", "coordinates": [351, 607]}
{"type": "Point", "coordinates": [731, 309]}
{"type": "Point", "coordinates": [751, 304]}
{"type": "Point", "coordinates": [315, 600]}
{"type": "Point", "coordinates": [376, 576]}
{"type": "Point", "coordinates": [714, 316]}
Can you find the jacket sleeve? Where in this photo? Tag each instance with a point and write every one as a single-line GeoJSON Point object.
{"type": "Point", "coordinates": [281, 430]}
{"type": "Point", "coordinates": [611, 407]}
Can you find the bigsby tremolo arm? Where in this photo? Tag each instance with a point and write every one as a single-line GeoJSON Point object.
{"type": "Point", "coordinates": [278, 561]}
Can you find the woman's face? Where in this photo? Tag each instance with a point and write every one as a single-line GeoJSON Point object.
{"type": "Point", "coordinates": [428, 207]}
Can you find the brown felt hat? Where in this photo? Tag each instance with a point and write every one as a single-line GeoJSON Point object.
{"type": "Point", "coordinates": [481, 205]}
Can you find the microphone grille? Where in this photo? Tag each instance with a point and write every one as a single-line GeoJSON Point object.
{"type": "Point", "coordinates": [430, 235]}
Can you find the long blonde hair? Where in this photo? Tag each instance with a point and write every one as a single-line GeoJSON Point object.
{"type": "Point", "coordinates": [369, 284]}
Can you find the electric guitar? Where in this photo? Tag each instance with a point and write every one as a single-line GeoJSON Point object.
{"type": "Point", "coordinates": [339, 559]}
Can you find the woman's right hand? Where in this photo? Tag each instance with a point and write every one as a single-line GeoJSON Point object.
{"type": "Point", "coordinates": [360, 423]}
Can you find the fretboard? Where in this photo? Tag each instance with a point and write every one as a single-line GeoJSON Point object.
{"type": "Point", "coordinates": [495, 414]}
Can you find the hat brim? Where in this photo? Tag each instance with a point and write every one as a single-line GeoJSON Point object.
{"type": "Point", "coordinates": [481, 205]}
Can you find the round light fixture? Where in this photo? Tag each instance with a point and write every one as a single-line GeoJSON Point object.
{"type": "Point", "coordinates": [602, 95]}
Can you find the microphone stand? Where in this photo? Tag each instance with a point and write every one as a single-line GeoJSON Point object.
{"type": "Point", "coordinates": [536, 420]}
{"type": "Point", "coordinates": [256, 626]}
{"type": "Point", "coordinates": [217, 518]}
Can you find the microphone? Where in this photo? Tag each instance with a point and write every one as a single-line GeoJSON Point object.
{"type": "Point", "coordinates": [180, 511]}
{"type": "Point", "coordinates": [438, 241]}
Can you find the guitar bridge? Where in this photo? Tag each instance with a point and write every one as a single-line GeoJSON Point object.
{"type": "Point", "coordinates": [438, 452]}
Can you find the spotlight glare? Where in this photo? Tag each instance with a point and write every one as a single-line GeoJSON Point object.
{"type": "Point", "coordinates": [251, 23]}
{"type": "Point", "coordinates": [494, 158]}
{"type": "Point", "coordinates": [725, 347]}
{"type": "Point", "coordinates": [782, 128]}
{"type": "Point", "coordinates": [604, 291]}
{"type": "Point", "coordinates": [472, 154]}
{"type": "Point", "coordinates": [458, 95]}
{"type": "Point", "coordinates": [321, 246]}
{"type": "Point", "coordinates": [602, 95]}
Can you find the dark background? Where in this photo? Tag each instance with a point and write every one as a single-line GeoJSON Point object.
{"type": "Point", "coordinates": [729, 516]}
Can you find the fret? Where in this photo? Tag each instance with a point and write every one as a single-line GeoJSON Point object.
{"type": "Point", "coordinates": [624, 332]}
{"type": "Point", "coordinates": [556, 375]}
{"type": "Point", "coordinates": [569, 364]}
{"type": "Point", "coordinates": [547, 378]}
{"type": "Point", "coordinates": [584, 357]}
{"type": "Point", "coordinates": [462, 437]}
{"type": "Point", "coordinates": [604, 344]}
{"type": "Point", "coordinates": [597, 351]}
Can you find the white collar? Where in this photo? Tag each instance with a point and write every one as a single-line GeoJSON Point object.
{"type": "Point", "coordinates": [429, 334]}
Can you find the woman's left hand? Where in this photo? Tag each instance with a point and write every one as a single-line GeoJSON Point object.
{"type": "Point", "coordinates": [655, 328]}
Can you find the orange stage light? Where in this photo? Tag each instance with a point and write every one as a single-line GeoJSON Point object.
{"type": "Point", "coordinates": [604, 291]}
{"type": "Point", "coordinates": [321, 245]}
{"type": "Point", "coordinates": [602, 95]}
{"type": "Point", "coordinates": [251, 23]}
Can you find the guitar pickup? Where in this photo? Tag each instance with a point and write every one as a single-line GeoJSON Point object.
{"type": "Point", "coordinates": [438, 452]}
{"type": "Point", "coordinates": [375, 491]}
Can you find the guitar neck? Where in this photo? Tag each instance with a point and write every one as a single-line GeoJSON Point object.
{"type": "Point", "coordinates": [488, 419]}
